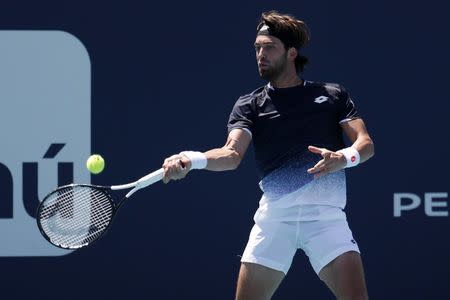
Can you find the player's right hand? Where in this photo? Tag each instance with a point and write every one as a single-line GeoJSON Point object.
{"type": "Point", "coordinates": [176, 167]}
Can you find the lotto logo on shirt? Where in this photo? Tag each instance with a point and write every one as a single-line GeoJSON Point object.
{"type": "Point", "coordinates": [321, 99]}
{"type": "Point", "coordinates": [46, 131]}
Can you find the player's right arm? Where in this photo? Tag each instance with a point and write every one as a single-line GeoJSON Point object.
{"type": "Point", "coordinates": [225, 158]}
{"type": "Point", "coordinates": [231, 154]}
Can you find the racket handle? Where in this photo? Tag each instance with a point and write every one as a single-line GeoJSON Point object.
{"type": "Point", "coordinates": [142, 182]}
{"type": "Point", "coordinates": [146, 181]}
{"type": "Point", "coordinates": [150, 178]}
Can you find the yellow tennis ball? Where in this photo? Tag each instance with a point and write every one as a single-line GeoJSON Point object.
{"type": "Point", "coordinates": [95, 164]}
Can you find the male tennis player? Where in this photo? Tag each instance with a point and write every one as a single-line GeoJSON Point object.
{"type": "Point", "coordinates": [297, 131]}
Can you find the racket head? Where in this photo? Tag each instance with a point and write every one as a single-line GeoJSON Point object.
{"type": "Point", "coordinates": [75, 215]}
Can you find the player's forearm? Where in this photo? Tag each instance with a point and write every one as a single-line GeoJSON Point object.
{"type": "Point", "coordinates": [222, 159]}
{"type": "Point", "coordinates": [365, 147]}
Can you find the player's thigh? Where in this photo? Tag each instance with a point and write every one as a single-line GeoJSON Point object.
{"type": "Point", "coordinates": [257, 282]}
{"type": "Point", "coordinates": [345, 276]}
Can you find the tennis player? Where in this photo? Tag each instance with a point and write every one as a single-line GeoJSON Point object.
{"type": "Point", "coordinates": [297, 130]}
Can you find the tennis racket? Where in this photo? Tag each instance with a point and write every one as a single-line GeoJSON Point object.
{"type": "Point", "coordinates": [76, 215]}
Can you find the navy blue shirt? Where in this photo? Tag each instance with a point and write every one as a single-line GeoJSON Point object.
{"type": "Point", "coordinates": [284, 121]}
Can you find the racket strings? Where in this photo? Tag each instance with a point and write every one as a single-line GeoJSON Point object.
{"type": "Point", "coordinates": [75, 216]}
{"type": "Point", "coordinates": [80, 222]}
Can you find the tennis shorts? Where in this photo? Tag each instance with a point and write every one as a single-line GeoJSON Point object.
{"type": "Point", "coordinates": [274, 244]}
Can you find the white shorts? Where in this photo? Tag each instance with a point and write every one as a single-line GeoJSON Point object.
{"type": "Point", "coordinates": [273, 244]}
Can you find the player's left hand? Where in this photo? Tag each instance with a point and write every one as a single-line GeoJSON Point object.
{"type": "Point", "coordinates": [330, 162]}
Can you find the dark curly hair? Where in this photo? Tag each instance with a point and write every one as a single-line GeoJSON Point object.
{"type": "Point", "coordinates": [291, 31]}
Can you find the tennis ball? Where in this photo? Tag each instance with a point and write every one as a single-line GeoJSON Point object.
{"type": "Point", "coordinates": [95, 164]}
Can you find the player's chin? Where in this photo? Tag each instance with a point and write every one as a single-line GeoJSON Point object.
{"type": "Point", "coordinates": [263, 68]}
{"type": "Point", "coordinates": [266, 74]}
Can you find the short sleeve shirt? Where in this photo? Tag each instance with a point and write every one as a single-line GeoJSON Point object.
{"type": "Point", "coordinates": [284, 122]}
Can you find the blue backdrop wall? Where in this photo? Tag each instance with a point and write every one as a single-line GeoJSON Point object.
{"type": "Point", "coordinates": [163, 78]}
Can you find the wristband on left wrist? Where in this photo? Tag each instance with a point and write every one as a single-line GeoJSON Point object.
{"type": "Point", "coordinates": [351, 155]}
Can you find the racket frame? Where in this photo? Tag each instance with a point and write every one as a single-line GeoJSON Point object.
{"type": "Point", "coordinates": [143, 182]}
{"type": "Point", "coordinates": [105, 189]}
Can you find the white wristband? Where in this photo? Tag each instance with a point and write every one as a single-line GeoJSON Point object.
{"type": "Point", "coordinates": [198, 159]}
{"type": "Point", "coordinates": [351, 156]}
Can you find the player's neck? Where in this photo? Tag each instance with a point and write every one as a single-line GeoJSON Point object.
{"type": "Point", "coordinates": [286, 80]}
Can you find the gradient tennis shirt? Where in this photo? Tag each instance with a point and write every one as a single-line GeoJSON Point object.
{"type": "Point", "coordinates": [283, 122]}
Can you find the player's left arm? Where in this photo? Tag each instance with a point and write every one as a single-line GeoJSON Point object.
{"type": "Point", "coordinates": [334, 161]}
{"type": "Point", "coordinates": [356, 131]}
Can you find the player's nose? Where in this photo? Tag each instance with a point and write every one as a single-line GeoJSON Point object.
{"type": "Point", "coordinates": [260, 52]}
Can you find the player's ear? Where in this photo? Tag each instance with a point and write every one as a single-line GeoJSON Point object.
{"type": "Point", "coordinates": [292, 53]}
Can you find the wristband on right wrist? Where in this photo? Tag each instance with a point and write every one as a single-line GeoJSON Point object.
{"type": "Point", "coordinates": [198, 159]}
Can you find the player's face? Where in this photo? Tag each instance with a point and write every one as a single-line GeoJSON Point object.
{"type": "Point", "coordinates": [271, 57]}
